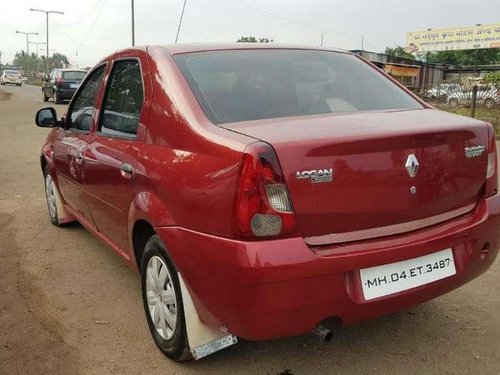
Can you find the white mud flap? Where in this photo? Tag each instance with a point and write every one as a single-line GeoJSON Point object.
{"type": "Point", "coordinates": [62, 215]}
{"type": "Point", "coordinates": [203, 339]}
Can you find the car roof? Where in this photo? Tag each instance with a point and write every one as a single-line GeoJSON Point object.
{"type": "Point", "coordinates": [175, 49]}
{"type": "Point", "coordinates": [70, 70]}
{"type": "Point", "coordinates": [202, 47]}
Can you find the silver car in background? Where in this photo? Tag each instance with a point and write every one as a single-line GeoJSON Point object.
{"type": "Point", "coordinates": [12, 77]}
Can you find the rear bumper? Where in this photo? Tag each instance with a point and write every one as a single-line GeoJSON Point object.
{"type": "Point", "coordinates": [12, 81]}
{"type": "Point", "coordinates": [65, 93]}
{"type": "Point", "coordinates": [268, 289]}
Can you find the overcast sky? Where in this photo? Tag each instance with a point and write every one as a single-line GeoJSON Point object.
{"type": "Point", "coordinates": [91, 29]}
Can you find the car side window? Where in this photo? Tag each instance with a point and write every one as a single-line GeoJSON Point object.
{"type": "Point", "coordinates": [83, 105]}
{"type": "Point", "coordinates": [123, 100]}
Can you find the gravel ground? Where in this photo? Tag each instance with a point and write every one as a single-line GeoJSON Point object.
{"type": "Point", "coordinates": [68, 305]}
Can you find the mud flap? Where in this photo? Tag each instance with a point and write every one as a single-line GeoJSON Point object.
{"type": "Point", "coordinates": [203, 339]}
{"type": "Point", "coordinates": [62, 215]}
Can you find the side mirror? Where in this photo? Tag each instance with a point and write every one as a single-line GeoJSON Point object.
{"type": "Point", "coordinates": [46, 118]}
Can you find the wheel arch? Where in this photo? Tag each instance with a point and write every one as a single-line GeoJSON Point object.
{"type": "Point", "coordinates": [146, 212]}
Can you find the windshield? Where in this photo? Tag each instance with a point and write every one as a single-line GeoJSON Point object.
{"type": "Point", "coordinates": [12, 72]}
{"type": "Point", "coordinates": [74, 75]}
{"type": "Point", "coordinates": [242, 85]}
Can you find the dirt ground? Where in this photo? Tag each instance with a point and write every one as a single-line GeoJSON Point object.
{"type": "Point", "coordinates": [68, 305]}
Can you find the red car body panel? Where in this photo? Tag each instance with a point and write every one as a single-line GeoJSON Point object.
{"type": "Point", "coordinates": [186, 171]}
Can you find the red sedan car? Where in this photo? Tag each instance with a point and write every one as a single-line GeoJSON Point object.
{"type": "Point", "coordinates": [267, 191]}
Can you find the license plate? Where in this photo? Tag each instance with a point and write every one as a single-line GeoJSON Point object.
{"type": "Point", "coordinates": [74, 85]}
{"type": "Point", "coordinates": [395, 277]}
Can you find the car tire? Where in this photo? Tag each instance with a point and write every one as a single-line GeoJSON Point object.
{"type": "Point", "coordinates": [160, 284]}
{"type": "Point", "coordinates": [44, 97]}
{"type": "Point", "coordinates": [57, 99]}
{"type": "Point", "coordinates": [51, 198]}
{"type": "Point", "coordinates": [453, 103]}
{"type": "Point", "coordinates": [489, 103]}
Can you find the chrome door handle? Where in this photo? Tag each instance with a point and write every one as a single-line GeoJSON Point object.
{"type": "Point", "coordinates": [127, 168]}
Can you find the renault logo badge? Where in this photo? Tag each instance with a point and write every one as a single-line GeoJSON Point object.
{"type": "Point", "coordinates": [412, 165]}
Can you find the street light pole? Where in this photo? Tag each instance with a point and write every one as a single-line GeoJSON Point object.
{"type": "Point", "coordinates": [37, 44]}
{"type": "Point", "coordinates": [133, 23]}
{"type": "Point", "coordinates": [47, 12]}
{"type": "Point", "coordinates": [27, 47]}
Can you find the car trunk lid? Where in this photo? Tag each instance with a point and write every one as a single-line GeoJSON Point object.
{"type": "Point", "coordinates": [373, 159]}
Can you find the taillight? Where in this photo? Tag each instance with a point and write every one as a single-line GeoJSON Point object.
{"type": "Point", "coordinates": [263, 207]}
{"type": "Point", "coordinates": [59, 81]}
{"type": "Point", "coordinates": [491, 185]}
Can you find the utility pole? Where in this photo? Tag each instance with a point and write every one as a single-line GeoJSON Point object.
{"type": "Point", "coordinates": [37, 44]}
{"type": "Point", "coordinates": [27, 47]}
{"type": "Point", "coordinates": [180, 21]}
{"type": "Point", "coordinates": [133, 23]}
{"type": "Point", "coordinates": [477, 51]}
{"type": "Point", "coordinates": [47, 12]}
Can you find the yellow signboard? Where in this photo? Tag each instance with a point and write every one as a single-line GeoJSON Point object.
{"type": "Point", "coordinates": [484, 36]}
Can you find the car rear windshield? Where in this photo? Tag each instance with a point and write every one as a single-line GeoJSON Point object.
{"type": "Point", "coordinates": [12, 72]}
{"type": "Point", "coordinates": [70, 75]}
{"type": "Point", "coordinates": [242, 85]}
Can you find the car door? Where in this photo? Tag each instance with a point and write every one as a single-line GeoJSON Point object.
{"type": "Point", "coordinates": [111, 157]}
{"type": "Point", "coordinates": [72, 141]}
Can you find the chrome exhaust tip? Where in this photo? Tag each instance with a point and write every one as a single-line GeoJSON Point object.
{"type": "Point", "coordinates": [323, 333]}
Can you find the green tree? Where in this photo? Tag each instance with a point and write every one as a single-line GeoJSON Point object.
{"type": "Point", "coordinates": [398, 51]}
{"type": "Point", "coordinates": [487, 56]}
{"type": "Point", "coordinates": [492, 78]}
{"type": "Point", "coordinates": [252, 39]}
{"type": "Point", "coordinates": [30, 64]}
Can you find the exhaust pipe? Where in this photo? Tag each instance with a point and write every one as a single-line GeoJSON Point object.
{"type": "Point", "coordinates": [323, 333]}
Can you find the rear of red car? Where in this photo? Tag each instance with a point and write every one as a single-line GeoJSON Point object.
{"type": "Point", "coordinates": [352, 200]}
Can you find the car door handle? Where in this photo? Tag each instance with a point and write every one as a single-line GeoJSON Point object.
{"type": "Point", "coordinates": [127, 168]}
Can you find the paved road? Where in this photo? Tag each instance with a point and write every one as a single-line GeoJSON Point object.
{"type": "Point", "coordinates": [68, 305]}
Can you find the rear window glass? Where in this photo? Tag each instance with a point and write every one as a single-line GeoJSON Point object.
{"type": "Point", "coordinates": [74, 75]}
{"type": "Point", "coordinates": [12, 72]}
{"type": "Point", "coordinates": [236, 85]}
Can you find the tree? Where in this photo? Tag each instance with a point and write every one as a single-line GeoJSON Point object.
{"type": "Point", "coordinates": [492, 78]}
{"type": "Point", "coordinates": [32, 63]}
{"type": "Point", "coordinates": [487, 56]}
{"type": "Point", "coordinates": [398, 51]}
{"type": "Point", "coordinates": [252, 39]}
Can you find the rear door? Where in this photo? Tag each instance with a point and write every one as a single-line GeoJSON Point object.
{"type": "Point", "coordinates": [72, 143]}
{"type": "Point", "coordinates": [112, 155]}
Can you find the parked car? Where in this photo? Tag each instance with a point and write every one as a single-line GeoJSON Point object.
{"type": "Point", "coordinates": [62, 84]}
{"type": "Point", "coordinates": [264, 191]}
{"type": "Point", "coordinates": [12, 77]}
{"type": "Point", "coordinates": [487, 96]}
{"type": "Point", "coordinates": [441, 91]}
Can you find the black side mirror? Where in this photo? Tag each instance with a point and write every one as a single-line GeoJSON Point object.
{"type": "Point", "coordinates": [47, 118]}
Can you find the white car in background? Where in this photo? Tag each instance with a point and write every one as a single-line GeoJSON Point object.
{"type": "Point", "coordinates": [12, 77]}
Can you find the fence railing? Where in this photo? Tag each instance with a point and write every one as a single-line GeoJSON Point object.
{"type": "Point", "coordinates": [467, 98]}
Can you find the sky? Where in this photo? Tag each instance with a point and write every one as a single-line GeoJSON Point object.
{"type": "Point", "coordinates": [91, 29]}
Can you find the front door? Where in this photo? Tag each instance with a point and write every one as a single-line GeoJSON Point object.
{"type": "Point", "coordinates": [111, 157]}
{"type": "Point", "coordinates": [72, 142]}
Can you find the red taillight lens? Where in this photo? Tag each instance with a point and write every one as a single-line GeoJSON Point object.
{"type": "Point", "coordinates": [263, 207]}
{"type": "Point", "coordinates": [59, 81]}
